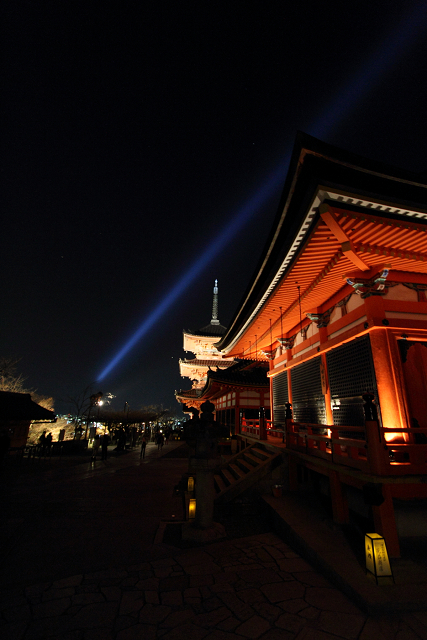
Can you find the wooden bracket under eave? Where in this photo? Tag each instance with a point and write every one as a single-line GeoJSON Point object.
{"type": "Point", "coordinates": [346, 244]}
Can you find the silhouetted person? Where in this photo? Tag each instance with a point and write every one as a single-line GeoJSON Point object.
{"type": "Point", "coordinates": [42, 442]}
{"type": "Point", "coordinates": [133, 437]}
{"type": "Point", "coordinates": [48, 442]}
{"type": "Point", "coordinates": [4, 445]}
{"type": "Point", "coordinates": [119, 439]}
{"type": "Point", "coordinates": [96, 445]}
{"type": "Point", "coordinates": [160, 441]}
{"type": "Point", "coordinates": [104, 446]}
{"type": "Point", "coordinates": [143, 447]}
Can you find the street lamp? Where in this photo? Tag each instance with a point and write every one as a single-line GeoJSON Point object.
{"type": "Point", "coordinates": [95, 400]}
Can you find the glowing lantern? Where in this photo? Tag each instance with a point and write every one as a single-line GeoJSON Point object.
{"type": "Point", "coordinates": [192, 509]}
{"type": "Point", "coordinates": [377, 560]}
{"type": "Point", "coordinates": [190, 485]}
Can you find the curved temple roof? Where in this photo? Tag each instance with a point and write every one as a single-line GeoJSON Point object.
{"type": "Point", "coordinates": [340, 216]}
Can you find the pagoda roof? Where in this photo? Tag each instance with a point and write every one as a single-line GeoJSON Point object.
{"type": "Point", "coordinates": [222, 364]}
{"type": "Point", "coordinates": [211, 330]}
{"type": "Point", "coordinates": [339, 214]}
{"type": "Point", "coordinates": [189, 393]}
{"type": "Point", "coordinates": [244, 373]}
{"type": "Point", "coordinates": [214, 328]}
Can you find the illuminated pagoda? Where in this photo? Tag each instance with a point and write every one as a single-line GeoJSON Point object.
{"type": "Point", "coordinates": [201, 343]}
{"type": "Point", "coordinates": [338, 312]}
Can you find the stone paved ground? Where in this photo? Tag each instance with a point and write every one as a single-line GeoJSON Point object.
{"type": "Point", "coordinates": [252, 587]}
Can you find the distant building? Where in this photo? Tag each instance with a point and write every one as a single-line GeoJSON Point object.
{"type": "Point", "coordinates": [17, 412]}
{"type": "Point", "coordinates": [237, 388]}
{"type": "Point", "coordinates": [239, 394]}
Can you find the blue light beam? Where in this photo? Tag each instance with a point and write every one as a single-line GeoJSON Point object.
{"type": "Point", "coordinates": [346, 100]}
{"type": "Point", "coordinates": [242, 217]}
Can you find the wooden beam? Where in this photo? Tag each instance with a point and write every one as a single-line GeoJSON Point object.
{"type": "Point", "coordinates": [346, 244]}
{"type": "Point", "coordinates": [390, 252]}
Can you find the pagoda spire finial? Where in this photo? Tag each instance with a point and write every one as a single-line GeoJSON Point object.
{"type": "Point", "coordinates": [215, 304]}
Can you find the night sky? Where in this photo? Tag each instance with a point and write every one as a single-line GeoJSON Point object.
{"type": "Point", "coordinates": [131, 139]}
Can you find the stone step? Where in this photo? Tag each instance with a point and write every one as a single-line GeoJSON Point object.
{"type": "Point", "coordinates": [242, 471]}
{"type": "Point", "coordinates": [228, 476]}
{"type": "Point", "coordinates": [238, 473]}
{"type": "Point", "coordinates": [219, 484]}
{"type": "Point", "coordinates": [262, 453]}
{"type": "Point", "coordinates": [245, 466]}
{"type": "Point", "coordinates": [252, 459]}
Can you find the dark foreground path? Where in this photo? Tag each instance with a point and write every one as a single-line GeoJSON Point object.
{"type": "Point", "coordinates": [88, 516]}
{"type": "Point", "coordinates": [83, 559]}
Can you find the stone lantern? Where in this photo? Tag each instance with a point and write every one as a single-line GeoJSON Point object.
{"type": "Point", "coordinates": [202, 436]}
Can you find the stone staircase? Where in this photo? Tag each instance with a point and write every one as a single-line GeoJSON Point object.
{"type": "Point", "coordinates": [244, 470]}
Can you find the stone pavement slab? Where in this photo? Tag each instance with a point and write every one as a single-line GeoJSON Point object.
{"type": "Point", "coordinates": [255, 587]}
{"type": "Point", "coordinates": [328, 550]}
{"type": "Point", "coordinates": [274, 608]}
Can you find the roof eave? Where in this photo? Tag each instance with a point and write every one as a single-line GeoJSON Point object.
{"type": "Point", "coordinates": [270, 271]}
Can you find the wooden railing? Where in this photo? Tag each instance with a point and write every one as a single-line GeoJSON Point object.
{"type": "Point", "coordinates": [251, 427]}
{"type": "Point", "coordinates": [410, 456]}
{"type": "Point", "coordinates": [330, 442]}
{"type": "Point", "coordinates": [363, 448]}
{"type": "Point", "coordinates": [274, 432]}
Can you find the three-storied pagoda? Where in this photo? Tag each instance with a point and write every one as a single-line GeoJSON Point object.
{"type": "Point", "coordinates": [201, 342]}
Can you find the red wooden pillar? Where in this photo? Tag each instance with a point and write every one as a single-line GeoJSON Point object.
{"type": "Point", "coordinates": [338, 498]}
{"type": "Point", "coordinates": [293, 464]}
{"type": "Point", "coordinates": [326, 390]}
{"type": "Point", "coordinates": [385, 523]}
{"type": "Point", "coordinates": [293, 474]}
{"type": "Point", "coordinates": [262, 424]}
{"type": "Point", "coordinates": [377, 449]}
{"type": "Point", "coordinates": [289, 385]}
{"type": "Point", "coordinates": [392, 411]}
{"type": "Point", "coordinates": [237, 419]}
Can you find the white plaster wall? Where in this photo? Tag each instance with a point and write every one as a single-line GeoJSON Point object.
{"type": "Point", "coordinates": [298, 339]}
{"type": "Point", "coordinates": [249, 394]}
{"type": "Point", "coordinates": [354, 302]}
{"type": "Point", "coordinates": [400, 292]}
{"type": "Point", "coordinates": [312, 330]}
{"type": "Point", "coordinates": [336, 314]}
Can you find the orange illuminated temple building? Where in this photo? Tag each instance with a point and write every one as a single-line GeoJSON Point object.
{"type": "Point", "coordinates": [338, 310]}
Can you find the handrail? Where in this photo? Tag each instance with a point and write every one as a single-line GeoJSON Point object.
{"type": "Point", "coordinates": [362, 447]}
{"type": "Point", "coordinates": [371, 453]}
{"type": "Point", "coordinates": [252, 426]}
